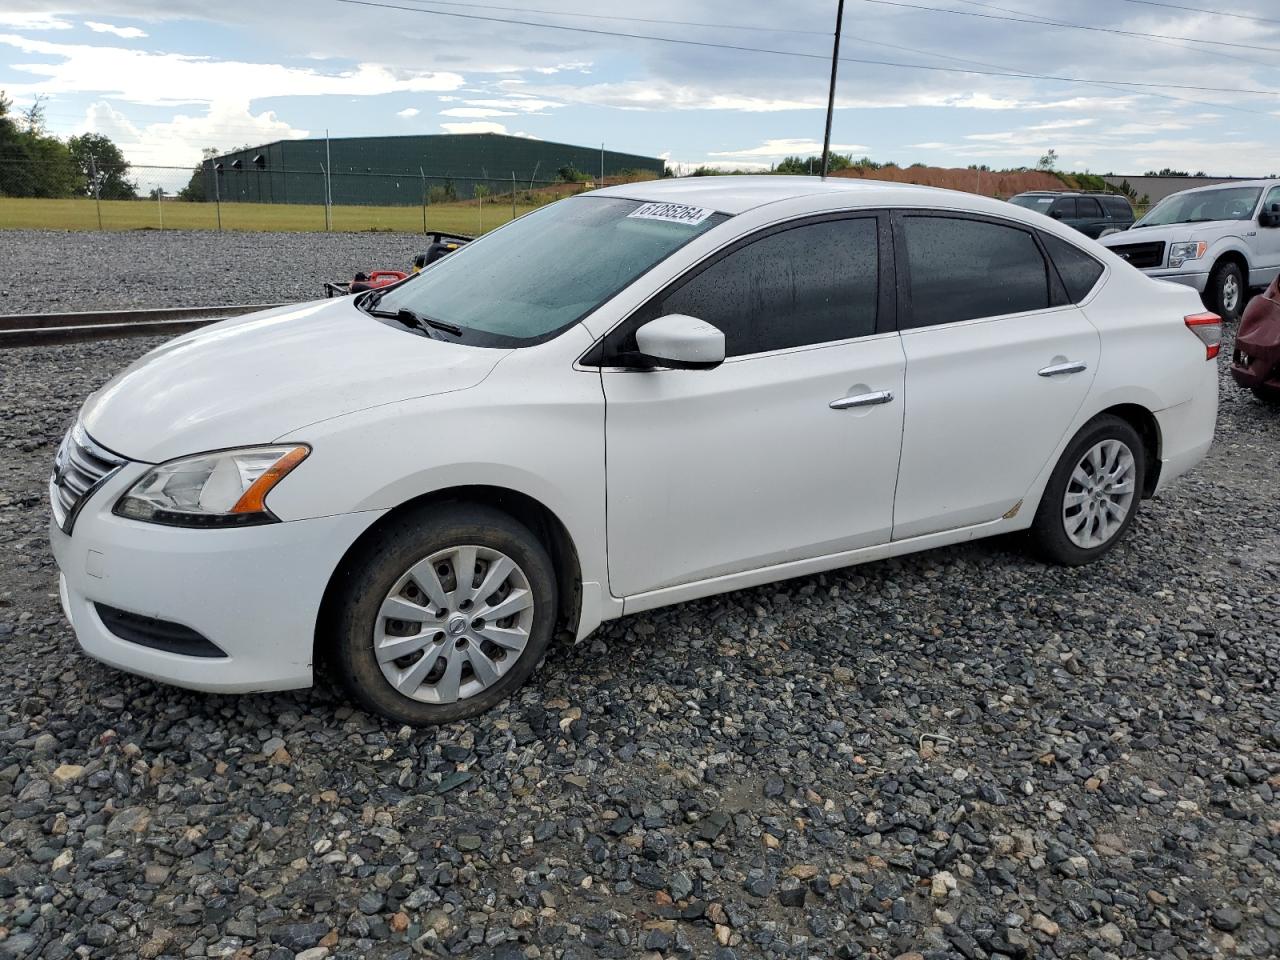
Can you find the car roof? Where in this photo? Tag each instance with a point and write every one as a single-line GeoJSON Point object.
{"type": "Point", "coordinates": [737, 194]}
{"type": "Point", "coordinates": [1228, 184]}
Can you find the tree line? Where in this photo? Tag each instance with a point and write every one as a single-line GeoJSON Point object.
{"type": "Point", "coordinates": [34, 163]}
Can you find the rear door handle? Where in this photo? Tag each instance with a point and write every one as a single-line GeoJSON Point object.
{"type": "Point", "coordinates": [862, 400]}
{"type": "Point", "coordinates": [1058, 369]}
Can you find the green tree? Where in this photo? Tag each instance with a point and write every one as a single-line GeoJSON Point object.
{"type": "Point", "coordinates": [32, 163]}
{"type": "Point", "coordinates": [194, 191]}
{"type": "Point", "coordinates": [804, 166]}
{"type": "Point", "coordinates": [1049, 161]}
{"type": "Point", "coordinates": [96, 152]}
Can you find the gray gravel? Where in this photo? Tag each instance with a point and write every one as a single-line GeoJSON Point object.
{"type": "Point", "coordinates": [962, 754]}
{"type": "Point", "coordinates": [54, 271]}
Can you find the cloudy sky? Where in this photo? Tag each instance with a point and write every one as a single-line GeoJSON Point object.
{"type": "Point", "coordinates": [165, 83]}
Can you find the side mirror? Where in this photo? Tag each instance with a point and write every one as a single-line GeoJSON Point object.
{"type": "Point", "coordinates": [681, 342]}
{"type": "Point", "coordinates": [1270, 217]}
{"type": "Point", "coordinates": [1056, 214]}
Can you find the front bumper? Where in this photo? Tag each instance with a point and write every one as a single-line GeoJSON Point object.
{"type": "Point", "coordinates": [1196, 281]}
{"type": "Point", "coordinates": [1255, 361]}
{"type": "Point", "coordinates": [254, 592]}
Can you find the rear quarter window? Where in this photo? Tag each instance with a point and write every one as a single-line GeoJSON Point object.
{"type": "Point", "coordinates": [1078, 270]}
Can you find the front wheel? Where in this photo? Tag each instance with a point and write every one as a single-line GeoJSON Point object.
{"type": "Point", "coordinates": [1093, 495]}
{"type": "Point", "coordinates": [444, 614]}
{"type": "Point", "coordinates": [1225, 292]}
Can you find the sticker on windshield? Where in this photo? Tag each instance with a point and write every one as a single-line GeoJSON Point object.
{"type": "Point", "coordinates": [671, 212]}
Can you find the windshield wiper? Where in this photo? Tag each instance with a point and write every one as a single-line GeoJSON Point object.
{"type": "Point", "coordinates": [409, 318]}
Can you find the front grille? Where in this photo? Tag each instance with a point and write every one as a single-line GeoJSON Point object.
{"type": "Point", "coordinates": [156, 634]}
{"type": "Point", "coordinates": [1144, 256]}
{"type": "Point", "coordinates": [79, 467]}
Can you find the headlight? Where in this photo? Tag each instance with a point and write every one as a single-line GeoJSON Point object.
{"type": "Point", "coordinates": [1181, 252]}
{"type": "Point", "coordinates": [222, 489]}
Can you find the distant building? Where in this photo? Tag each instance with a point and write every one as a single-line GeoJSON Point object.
{"type": "Point", "coordinates": [397, 170]}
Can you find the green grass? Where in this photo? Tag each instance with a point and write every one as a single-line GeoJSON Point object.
{"type": "Point", "coordinates": [464, 217]}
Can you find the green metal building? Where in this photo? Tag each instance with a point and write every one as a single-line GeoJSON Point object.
{"type": "Point", "coordinates": [401, 170]}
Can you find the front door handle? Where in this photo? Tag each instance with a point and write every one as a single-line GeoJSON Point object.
{"type": "Point", "coordinates": [1058, 369]}
{"type": "Point", "coordinates": [862, 400]}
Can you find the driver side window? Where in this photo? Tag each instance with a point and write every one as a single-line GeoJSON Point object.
{"type": "Point", "coordinates": [810, 284]}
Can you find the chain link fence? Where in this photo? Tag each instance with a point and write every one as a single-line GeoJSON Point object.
{"type": "Point", "coordinates": [133, 197]}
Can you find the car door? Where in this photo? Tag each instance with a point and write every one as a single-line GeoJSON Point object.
{"type": "Point", "coordinates": [789, 449]}
{"type": "Point", "coordinates": [1090, 219]}
{"type": "Point", "coordinates": [1266, 263]}
{"type": "Point", "coordinates": [1064, 209]}
{"type": "Point", "coordinates": [998, 363]}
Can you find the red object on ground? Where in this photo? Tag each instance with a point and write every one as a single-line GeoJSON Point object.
{"type": "Point", "coordinates": [1256, 360]}
{"type": "Point", "coordinates": [376, 279]}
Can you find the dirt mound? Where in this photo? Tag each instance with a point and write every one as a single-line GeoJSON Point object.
{"type": "Point", "coordinates": [990, 183]}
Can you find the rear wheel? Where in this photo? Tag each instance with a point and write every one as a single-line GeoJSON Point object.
{"type": "Point", "coordinates": [444, 615]}
{"type": "Point", "coordinates": [1093, 495]}
{"type": "Point", "coordinates": [1225, 292]}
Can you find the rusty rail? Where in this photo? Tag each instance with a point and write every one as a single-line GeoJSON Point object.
{"type": "Point", "coordinates": [40, 329]}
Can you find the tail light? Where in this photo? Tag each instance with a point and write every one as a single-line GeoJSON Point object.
{"type": "Point", "coordinates": [1208, 327]}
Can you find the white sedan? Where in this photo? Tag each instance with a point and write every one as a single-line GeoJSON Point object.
{"type": "Point", "coordinates": [626, 399]}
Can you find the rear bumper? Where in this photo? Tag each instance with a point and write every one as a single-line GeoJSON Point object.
{"type": "Point", "coordinates": [1186, 431]}
{"type": "Point", "coordinates": [253, 592]}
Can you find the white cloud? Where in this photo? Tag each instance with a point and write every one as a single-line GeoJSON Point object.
{"type": "Point", "coordinates": [522, 103]}
{"type": "Point", "coordinates": [34, 21]}
{"type": "Point", "coordinates": [777, 149]}
{"type": "Point", "coordinates": [127, 33]}
{"type": "Point", "coordinates": [479, 126]}
{"type": "Point", "coordinates": [178, 142]}
{"type": "Point", "coordinates": [408, 112]}
{"type": "Point", "coordinates": [474, 113]}
{"type": "Point", "coordinates": [165, 79]}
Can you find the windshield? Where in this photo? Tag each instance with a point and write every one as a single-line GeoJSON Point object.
{"type": "Point", "coordinates": [1033, 203]}
{"type": "Point", "coordinates": [1229, 203]}
{"type": "Point", "coordinates": [532, 278]}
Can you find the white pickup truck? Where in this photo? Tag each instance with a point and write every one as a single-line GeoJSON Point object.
{"type": "Point", "coordinates": [1222, 240]}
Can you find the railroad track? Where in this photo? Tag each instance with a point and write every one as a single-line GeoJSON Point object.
{"type": "Point", "coordinates": [38, 329]}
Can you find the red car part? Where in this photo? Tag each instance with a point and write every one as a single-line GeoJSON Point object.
{"type": "Point", "coordinates": [1256, 360]}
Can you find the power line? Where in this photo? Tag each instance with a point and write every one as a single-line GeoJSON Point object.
{"type": "Point", "coordinates": [1065, 25]}
{"type": "Point", "coordinates": [809, 56]}
{"type": "Point", "coordinates": [1150, 38]}
{"type": "Point", "coordinates": [1215, 13]}
{"type": "Point", "coordinates": [607, 16]}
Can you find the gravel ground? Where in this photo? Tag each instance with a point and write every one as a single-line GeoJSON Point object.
{"type": "Point", "coordinates": [961, 754]}
{"type": "Point", "coordinates": [53, 271]}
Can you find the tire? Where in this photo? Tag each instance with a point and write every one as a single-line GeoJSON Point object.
{"type": "Point", "coordinates": [1267, 395]}
{"type": "Point", "coordinates": [395, 571]}
{"type": "Point", "coordinates": [1056, 537]}
{"type": "Point", "coordinates": [1225, 292]}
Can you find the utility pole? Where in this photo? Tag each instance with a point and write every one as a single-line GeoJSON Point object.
{"type": "Point", "coordinates": [831, 94]}
{"type": "Point", "coordinates": [217, 191]}
{"type": "Point", "coordinates": [97, 196]}
{"type": "Point", "coordinates": [424, 200]}
{"type": "Point", "coordinates": [160, 204]}
{"type": "Point", "coordinates": [328, 183]}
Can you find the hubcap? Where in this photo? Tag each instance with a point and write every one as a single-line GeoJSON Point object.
{"type": "Point", "coordinates": [1099, 494]}
{"type": "Point", "coordinates": [1230, 293]}
{"type": "Point", "coordinates": [453, 624]}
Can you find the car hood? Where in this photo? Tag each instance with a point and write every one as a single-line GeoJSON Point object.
{"type": "Point", "coordinates": [254, 378]}
{"type": "Point", "coordinates": [1177, 232]}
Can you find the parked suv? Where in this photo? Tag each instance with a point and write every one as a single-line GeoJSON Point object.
{"type": "Point", "coordinates": [1093, 214]}
{"type": "Point", "coordinates": [626, 399]}
{"type": "Point", "coordinates": [1220, 240]}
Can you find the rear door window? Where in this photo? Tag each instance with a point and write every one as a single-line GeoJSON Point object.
{"type": "Point", "coordinates": [1078, 270]}
{"type": "Point", "coordinates": [1088, 208]}
{"type": "Point", "coordinates": [962, 269]}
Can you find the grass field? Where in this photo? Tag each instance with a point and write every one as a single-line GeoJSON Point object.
{"type": "Point", "coordinates": [464, 217]}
